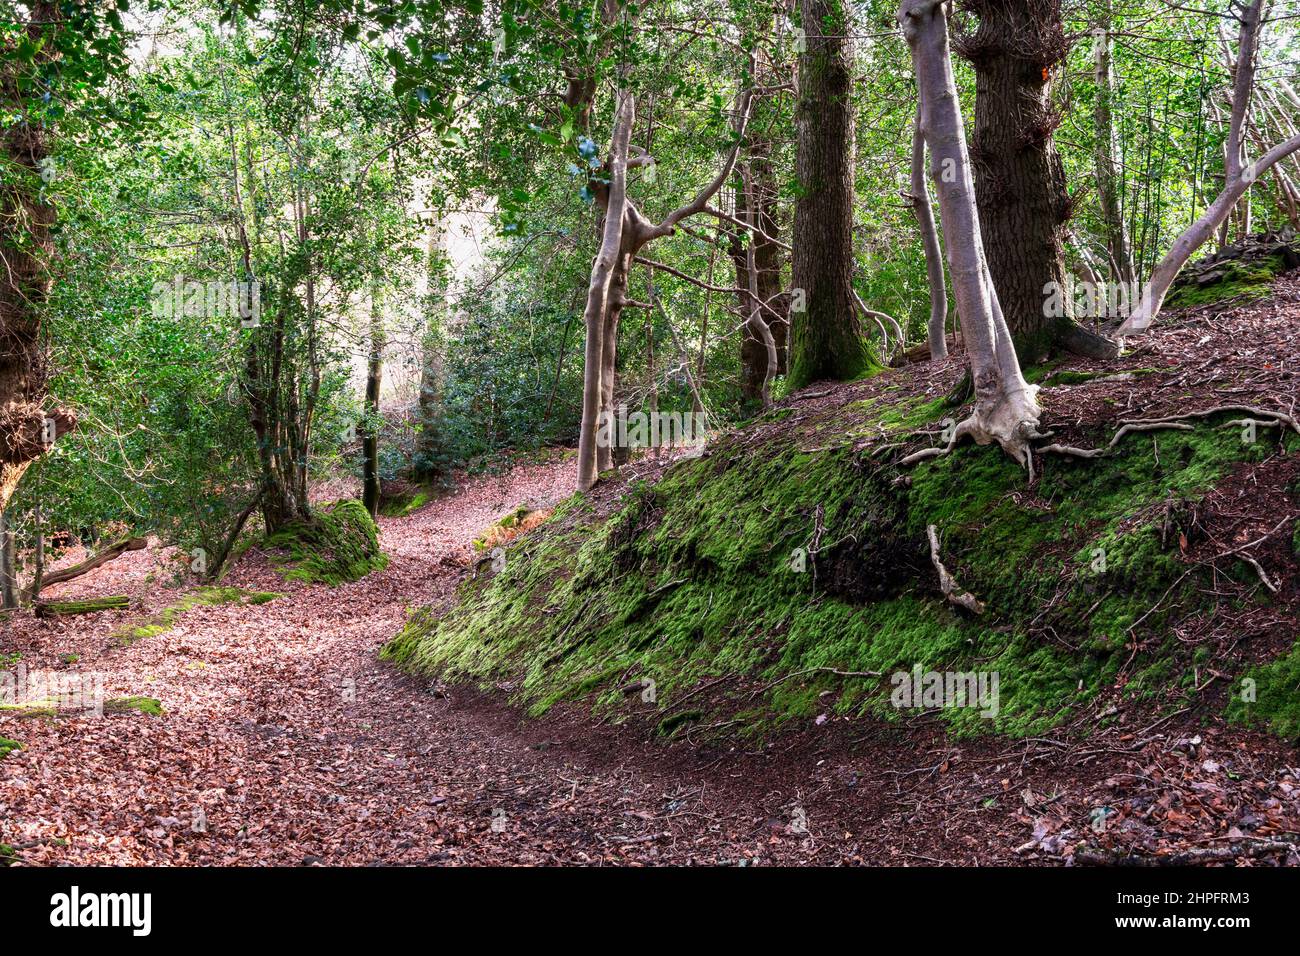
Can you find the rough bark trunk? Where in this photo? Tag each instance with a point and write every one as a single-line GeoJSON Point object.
{"type": "Point", "coordinates": [1006, 408]}
{"type": "Point", "coordinates": [27, 430]}
{"type": "Point", "coordinates": [1019, 177]}
{"type": "Point", "coordinates": [826, 338]}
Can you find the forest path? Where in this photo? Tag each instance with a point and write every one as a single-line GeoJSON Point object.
{"type": "Point", "coordinates": [285, 740]}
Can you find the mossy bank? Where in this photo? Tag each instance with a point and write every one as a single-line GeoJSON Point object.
{"type": "Point", "coordinates": [789, 571]}
{"type": "Point", "coordinates": [339, 544]}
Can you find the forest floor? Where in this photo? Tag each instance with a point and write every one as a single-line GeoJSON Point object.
{"type": "Point", "coordinates": [285, 740]}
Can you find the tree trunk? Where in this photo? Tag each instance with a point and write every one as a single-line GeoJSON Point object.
{"type": "Point", "coordinates": [8, 564]}
{"type": "Point", "coordinates": [1006, 409]}
{"type": "Point", "coordinates": [1112, 216]}
{"type": "Point", "coordinates": [27, 430]}
{"type": "Point", "coordinates": [1019, 177]}
{"type": "Point", "coordinates": [428, 443]}
{"type": "Point", "coordinates": [826, 341]}
{"type": "Point", "coordinates": [920, 196]}
{"type": "Point", "coordinates": [1238, 179]}
{"type": "Point", "coordinates": [374, 379]}
{"type": "Point", "coordinates": [608, 257]}
{"type": "Point", "coordinates": [756, 205]}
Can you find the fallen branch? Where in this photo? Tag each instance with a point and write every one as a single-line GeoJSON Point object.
{"type": "Point", "coordinates": [49, 609]}
{"type": "Point", "coordinates": [1251, 848]}
{"type": "Point", "coordinates": [108, 554]}
{"type": "Point", "coordinates": [815, 670]}
{"type": "Point", "coordinates": [947, 583]}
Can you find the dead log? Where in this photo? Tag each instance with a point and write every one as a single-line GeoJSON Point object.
{"type": "Point", "coordinates": [105, 556]}
{"type": "Point", "coordinates": [56, 609]}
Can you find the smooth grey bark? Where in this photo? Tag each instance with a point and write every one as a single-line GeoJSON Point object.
{"type": "Point", "coordinates": [602, 276]}
{"type": "Point", "coordinates": [921, 206]}
{"type": "Point", "coordinates": [1006, 406]}
{"type": "Point", "coordinates": [625, 232]}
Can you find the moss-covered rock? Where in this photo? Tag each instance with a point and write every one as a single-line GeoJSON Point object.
{"type": "Point", "coordinates": [339, 544]}
{"type": "Point", "coordinates": [1227, 280]}
{"type": "Point", "coordinates": [798, 569]}
{"type": "Point", "coordinates": [8, 746]}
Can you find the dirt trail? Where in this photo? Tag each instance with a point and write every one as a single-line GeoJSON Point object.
{"type": "Point", "coordinates": [286, 741]}
{"type": "Point", "coordinates": [292, 743]}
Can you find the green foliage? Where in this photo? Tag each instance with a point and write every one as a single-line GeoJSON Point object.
{"type": "Point", "coordinates": [8, 746]}
{"type": "Point", "coordinates": [339, 544]}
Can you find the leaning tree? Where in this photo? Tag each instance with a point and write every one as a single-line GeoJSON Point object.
{"type": "Point", "coordinates": [1239, 175]}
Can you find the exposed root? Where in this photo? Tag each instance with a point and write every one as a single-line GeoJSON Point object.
{"type": "Point", "coordinates": [947, 583]}
{"type": "Point", "coordinates": [1124, 429]}
{"type": "Point", "coordinates": [1261, 418]}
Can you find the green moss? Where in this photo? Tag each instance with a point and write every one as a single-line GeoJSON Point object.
{"type": "Point", "coordinates": [1269, 696]}
{"type": "Point", "coordinates": [149, 706]}
{"type": "Point", "coordinates": [165, 620]}
{"type": "Point", "coordinates": [1240, 280]}
{"type": "Point", "coordinates": [8, 746]}
{"type": "Point", "coordinates": [399, 506]}
{"type": "Point", "coordinates": [340, 544]}
{"type": "Point", "coordinates": [694, 579]}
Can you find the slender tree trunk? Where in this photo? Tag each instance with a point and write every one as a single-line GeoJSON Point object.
{"type": "Point", "coordinates": [1238, 179]}
{"type": "Point", "coordinates": [756, 205]}
{"type": "Point", "coordinates": [758, 282]}
{"type": "Point", "coordinates": [374, 380]}
{"type": "Point", "coordinates": [1112, 216]}
{"type": "Point", "coordinates": [428, 445]}
{"type": "Point", "coordinates": [756, 325]}
{"type": "Point", "coordinates": [1006, 409]}
{"type": "Point", "coordinates": [827, 341]}
{"type": "Point", "coordinates": [602, 275]}
{"type": "Point", "coordinates": [920, 196]}
{"type": "Point", "coordinates": [8, 563]}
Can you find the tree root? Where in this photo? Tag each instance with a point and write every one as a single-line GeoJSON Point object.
{"type": "Point", "coordinates": [947, 583]}
{"type": "Point", "coordinates": [1260, 418]}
